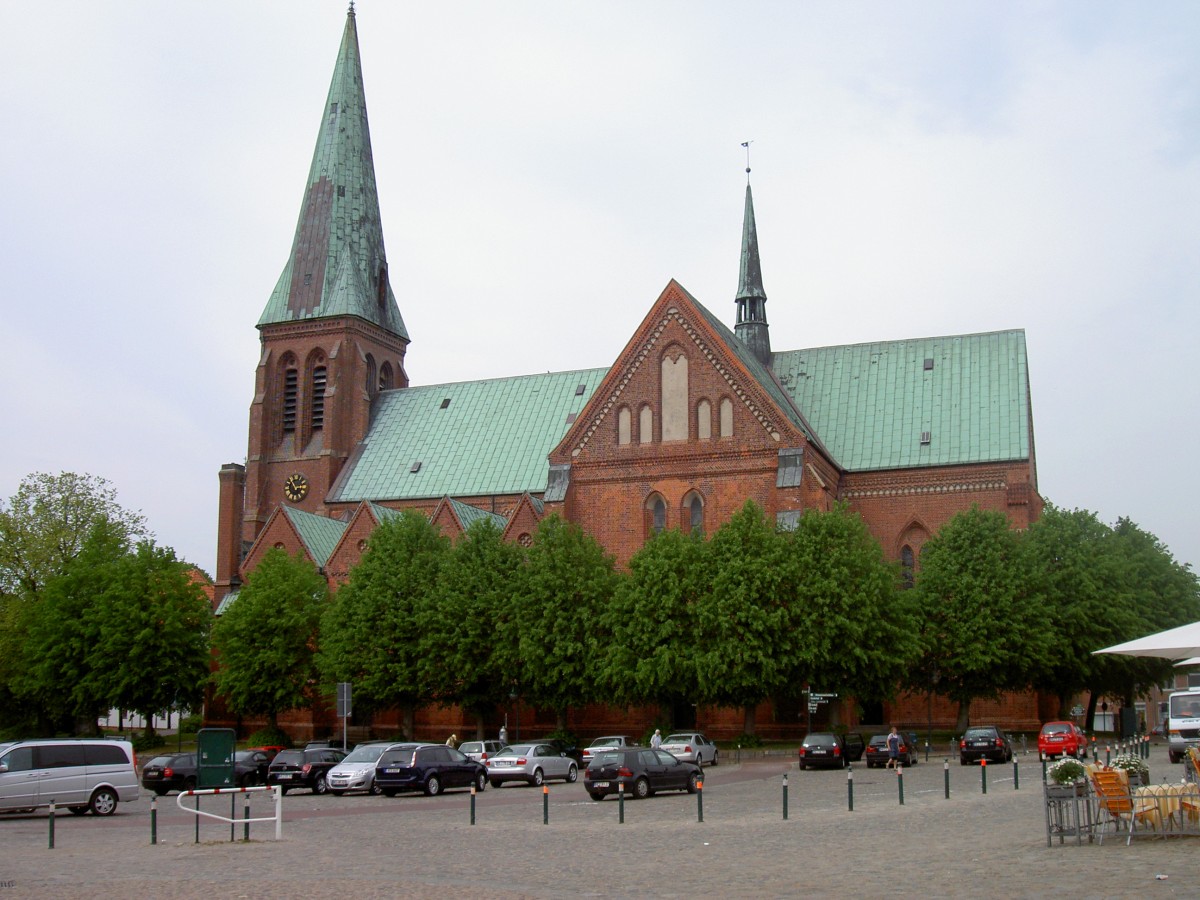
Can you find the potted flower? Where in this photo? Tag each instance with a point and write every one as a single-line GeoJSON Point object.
{"type": "Point", "coordinates": [1066, 777]}
{"type": "Point", "coordinates": [1135, 766]}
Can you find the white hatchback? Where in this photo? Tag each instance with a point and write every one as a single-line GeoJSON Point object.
{"type": "Point", "coordinates": [357, 771]}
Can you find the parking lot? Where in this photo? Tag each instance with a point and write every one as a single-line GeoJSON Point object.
{"type": "Point", "coordinates": [359, 846]}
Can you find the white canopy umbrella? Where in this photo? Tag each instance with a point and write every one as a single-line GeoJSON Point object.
{"type": "Point", "coordinates": [1192, 661]}
{"type": "Point", "coordinates": [1174, 643]}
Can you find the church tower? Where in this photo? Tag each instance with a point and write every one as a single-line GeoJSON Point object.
{"type": "Point", "coordinates": [751, 299]}
{"type": "Point", "coordinates": [331, 333]}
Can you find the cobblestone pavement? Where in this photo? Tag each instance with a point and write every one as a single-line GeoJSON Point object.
{"type": "Point", "coordinates": [991, 845]}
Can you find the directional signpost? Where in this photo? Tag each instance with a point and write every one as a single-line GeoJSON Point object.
{"type": "Point", "coordinates": [343, 706]}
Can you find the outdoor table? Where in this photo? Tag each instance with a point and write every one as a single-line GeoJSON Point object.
{"type": "Point", "coordinates": [1165, 803]}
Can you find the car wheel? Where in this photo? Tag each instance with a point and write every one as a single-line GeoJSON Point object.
{"type": "Point", "coordinates": [716, 757]}
{"type": "Point", "coordinates": [189, 784]}
{"type": "Point", "coordinates": [595, 795]}
{"type": "Point", "coordinates": [641, 789]}
{"type": "Point", "coordinates": [103, 802]}
{"type": "Point", "coordinates": [803, 765]}
{"type": "Point", "coordinates": [962, 760]}
{"type": "Point", "coordinates": [161, 792]}
{"type": "Point", "coordinates": [537, 779]}
{"type": "Point", "coordinates": [572, 774]}
{"type": "Point", "coordinates": [1174, 757]}
{"type": "Point", "coordinates": [481, 782]}
{"type": "Point", "coordinates": [375, 790]}
{"type": "Point", "coordinates": [496, 784]}
{"type": "Point", "coordinates": [283, 791]}
{"type": "Point", "coordinates": [433, 786]}
{"type": "Point", "coordinates": [388, 792]}
{"type": "Point", "coordinates": [78, 810]}
{"type": "Point", "coordinates": [320, 786]}
{"type": "Point", "coordinates": [337, 793]}
{"type": "Point", "coordinates": [247, 781]}
{"type": "Point", "coordinates": [693, 784]}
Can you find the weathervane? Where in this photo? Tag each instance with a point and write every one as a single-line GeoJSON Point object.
{"type": "Point", "coordinates": [747, 144]}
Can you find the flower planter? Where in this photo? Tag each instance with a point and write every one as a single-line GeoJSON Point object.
{"type": "Point", "coordinates": [1065, 791]}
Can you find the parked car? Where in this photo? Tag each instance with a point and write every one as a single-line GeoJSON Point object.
{"type": "Point", "coordinates": [272, 750]}
{"type": "Point", "coordinates": [427, 767]}
{"type": "Point", "coordinates": [1062, 739]}
{"type": "Point", "coordinates": [250, 767]}
{"type": "Point", "coordinates": [691, 746]}
{"type": "Point", "coordinates": [877, 750]}
{"type": "Point", "coordinates": [984, 742]}
{"type": "Point", "coordinates": [825, 748]}
{"type": "Point", "coordinates": [641, 770]}
{"type": "Point", "coordinates": [531, 763]}
{"type": "Point", "coordinates": [173, 772]}
{"type": "Point", "coordinates": [80, 774]}
{"type": "Point", "coordinates": [357, 771]}
{"type": "Point", "coordinates": [572, 750]}
{"type": "Point", "coordinates": [606, 742]}
{"type": "Point", "coordinates": [292, 769]}
{"type": "Point", "coordinates": [480, 751]}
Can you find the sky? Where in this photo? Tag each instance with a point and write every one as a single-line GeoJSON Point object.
{"type": "Point", "coordinates": [545, 168]}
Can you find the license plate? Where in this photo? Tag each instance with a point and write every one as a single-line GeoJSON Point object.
{"type": "Point", "coordinates": [818, 752]}
{"type": "Point", "coordinates": [501, 763]}
{"type": "Point", "coordinates": [283, 775]}
{"type": "Point", "coordinates": [600, 784]}
{"type": "Point", "coordinates": [392, 771]}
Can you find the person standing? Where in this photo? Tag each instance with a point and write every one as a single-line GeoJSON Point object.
{"type": "Point", "coordinates": [656, 741]}
{"type": "Point", "coordinates": [504, 734]}
{"type": "Point", "coordinates": [893, 745]}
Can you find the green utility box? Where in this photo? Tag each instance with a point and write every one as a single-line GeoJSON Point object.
{"type": "Point", "coordinates": [214, 757]}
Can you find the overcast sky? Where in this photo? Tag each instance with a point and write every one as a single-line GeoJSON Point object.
{"type": "Point", "coordinates": [545, 168]}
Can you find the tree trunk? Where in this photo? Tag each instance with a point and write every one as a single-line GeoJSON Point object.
{"type": "Point", "coordinates": [560, 719]}
{"type": "Point", "coordinates": [749, 724]}
{"type": "Point", "coordinates": [409, 711]}
{"type": "Point", "coordinates": [480, 732]}
{"type": "Point", "coordinates": [964, 716]}
{"type": "Point", "coordinates": [1064, 706]}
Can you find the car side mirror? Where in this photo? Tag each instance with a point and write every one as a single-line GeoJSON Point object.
{"type": "Point", "coordinates": [3, 768]}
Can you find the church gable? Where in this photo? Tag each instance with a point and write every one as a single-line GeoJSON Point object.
{"type": "Point", "coordinates": [682, 380]}
{"type": "Point", "coordinates": [293, 531]}
{"type": "Point", "coordinates": [523, 521]}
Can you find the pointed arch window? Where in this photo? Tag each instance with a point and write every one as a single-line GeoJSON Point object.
{"type": "Point", "coordinates": [907, 566]}
{"type": "Point", "coordinates": [372, 384]}
{"type": "Point", "coordinates": [624, 426]}
{"type": "Point", "coordinates": [726, 417]}
{"type": "Point", "coordinates": [645, 425]}
{"type": "Point", "coordinates": [656, 515]}
{"type": "Point", "coordinates": [317, 417]}
{"type": "Point", "coordinates": [704, 420]}
{"type": "Point", "coordinates": [674, 396]}
{"type": "Point", "coordinates": [385, 377]}
{"type": "Point", "coordinates": [692, 517]}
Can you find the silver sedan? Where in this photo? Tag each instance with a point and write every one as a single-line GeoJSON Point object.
{"type": "Point", "coordinates": [531, 763]}
{"type": "Point", "coordinates": [691, 747]}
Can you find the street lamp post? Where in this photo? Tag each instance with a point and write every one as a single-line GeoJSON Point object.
{"type": "Point", "coordinates": [515, 697]}
{"type": "Point", "coordinates": [933, 680]}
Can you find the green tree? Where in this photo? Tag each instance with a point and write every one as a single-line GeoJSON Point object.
{"type": "Point", "coordinates": [265, 639]}
{"type": "Point", "coordinates": [568, 582]}
{"type": "Point", "coordinates": [652, 623]}
{"type": "Point", "coordinates": [470, 642]}
{"type": "Point", "coordinates": [745, 623]}
{"type": "Point", "coordinates": [857, 632]}
{"type": "Point", "coordinates": [982, 627]}
{"type": "Point", "coordinates": [372, 634]}
{"type": "Point", "coordinates": [155, 619]}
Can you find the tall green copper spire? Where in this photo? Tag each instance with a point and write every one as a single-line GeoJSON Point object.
{"type": "Point", "coordinates": [338, 266]}
{"type": "Point", "coordinates": [751, 299]}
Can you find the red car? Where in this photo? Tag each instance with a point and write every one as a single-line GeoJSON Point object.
{"type": "Point", "coordinates": [1062, 739]}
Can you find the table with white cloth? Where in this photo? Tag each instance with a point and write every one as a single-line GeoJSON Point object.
{"type": "Point", "coordinates": [1169, 808]}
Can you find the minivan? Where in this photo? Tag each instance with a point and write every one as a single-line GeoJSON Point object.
{"type": "Point", "coordinates": [78, 774]}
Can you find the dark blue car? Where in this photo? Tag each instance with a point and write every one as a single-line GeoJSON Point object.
{"type": "Point", "coordinates": [431, 768]}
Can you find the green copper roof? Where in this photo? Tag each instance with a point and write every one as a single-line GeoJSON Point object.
{"type": "Point", "coordinates": [466, 439]}
{"type": "Point", "coordinates": [338, 266]}
{"type": "Point", "coordinates": [871, 404]}
{"type": "Point", "coordinates": [468, 514]}
{"type": "Point", "coordinates": [320, 534]}
{"type": "Point", "coordinates": [225, 603]}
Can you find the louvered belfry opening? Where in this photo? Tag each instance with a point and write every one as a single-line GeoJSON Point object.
{"type": "Point", "coordinates": [318, 398]}
{"type": "Point", "coordinates": [290, 386]}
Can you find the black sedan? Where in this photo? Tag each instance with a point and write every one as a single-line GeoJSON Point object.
{"type": "Point", "coordinates": [250, 767]}
{"type": "Point", "coordinates": [827, 749]}
{"type": "Point", "coordinates": [174, 772]}
{"type": "Point", "coordinates": [640, 771]}
{"type": "Point", "coordinates": [427, 767]}
{"type": "Point", "coordinates": [292, 769]}
{"type": "Point", "coordinates": [984, 742]}
{"type": "Point", "coordinates": [877, 750]}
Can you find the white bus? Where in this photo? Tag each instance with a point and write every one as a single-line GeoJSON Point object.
{"type": "Point", "coordinates": [1183, 722]}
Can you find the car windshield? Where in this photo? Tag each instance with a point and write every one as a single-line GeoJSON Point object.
{"type": "Point", "coordinates": [244, 756]}
{"type": "Point", "coordinates": [160, 761]}
{"type": "Point", "coordinates": [397, 758]}
{"type": "Point", "coordinates": [1056, 728]}
{"type": "Point", "coordinates": [607, 742]}
{"type": "Point", "coordinates": [678, 739]}
{"type": "Point", "coordinates": [976, 733]}
{"type": "Point", "coordinates": [612, 756]}
{"type": "Point", "coordinates": [471, 746]}
{"type": "Point", "coordinates": [289, 756]}
{"type": "Point", "coordinates": [367, 753]}
{"type": "Point", "coordinates": [878, 740]}
{"type": "Point", "coordinates": [518, 750]}
{"type": "Point", "coordinates": [820, 740]}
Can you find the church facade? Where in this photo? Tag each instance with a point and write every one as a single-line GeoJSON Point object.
{"type": "Point", "coordinates": [690, 420]}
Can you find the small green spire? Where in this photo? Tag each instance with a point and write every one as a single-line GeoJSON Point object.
{"type": "Point", "coordinates": [751, 299]}
{"type": "Point", "coordinates": [338, 266]}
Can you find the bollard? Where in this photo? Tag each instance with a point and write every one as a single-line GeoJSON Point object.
{"type": "Point", "coordinates": [621, 803]}
{"type": "Point", "coordinates": [52, 823]}
{"type": "Point", "coordinates": [472, 804]}
{"type": "Point", "coordinates": [850, 789]}
{"type": "Point", "coordinates": [900, 781]}
{"type": "Point", "coordinates": [232, 818]}
{"type": "Point", "coordinates": [196, 797]}
{"type": "Point", "coordinates": [1146, 746]}
{"type": "Point", "coordinates": [1043, 771]}
{"type": "Point", "coordinates": [153, 820]}
{"type": "Point", "coordinates": [1108, 754]}
{"type": "Point", "coordinates": [785, 810]}
{"type": "Point", "coordinates": [927, 751]}
{"type": "Point", "coordinates": [545, 804]}
{"type": "Point", "coordinates": [699, 801]}
{"type": "Point", "coordinates": [946, 776]}
{"type": "Point", "coordinates": [1016, 777]}
{"type": "Point", "coordinates": [983, 773]}
{"type": "Point", "coordinates": [246, 816]}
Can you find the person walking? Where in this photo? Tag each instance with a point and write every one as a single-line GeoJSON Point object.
{"type": "Point", "coordinates": [452, 741]}
{"type": "Point", "coordinates": [893, 746]}
{"type": "Point", "coordinates": [504, 734]}
{"type": "Point", "coordinates": [656, 741]}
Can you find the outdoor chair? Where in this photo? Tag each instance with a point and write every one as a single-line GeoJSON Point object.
{"type": "Point", "coordinates": [1117, 804]}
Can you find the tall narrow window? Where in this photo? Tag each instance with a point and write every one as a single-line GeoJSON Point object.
{"type": "Point", "coordinates": [624, 426]}
{"type": "Point", "coordinates": [656, 515]}
{"type": "Point", "coordinates": [726, 417]}
{"type": "Point", "coordinates": [674, 407]}
{"type": "Point", "coordinates": [318, 398]}
{"type": "Point", "coordinates": [692, 514]}
{"type": "Point", "coordinates": [704, 420]}
{"type": "Point", "coordinates": [372, 384]}
{"type": "Point", "coordinates": [385, 377]}
{"type": "Point", "coordinates": [906, 565]}
{"type": "Point", "coordinates": [290, 385]}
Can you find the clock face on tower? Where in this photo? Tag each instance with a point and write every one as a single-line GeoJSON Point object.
{"type": "Point", "coordinates": [295, 488]}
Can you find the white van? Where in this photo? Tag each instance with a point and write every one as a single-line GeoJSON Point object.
{"type": "Point", "coordinates": [78, 774]}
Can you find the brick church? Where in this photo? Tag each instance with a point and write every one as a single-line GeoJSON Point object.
{"type": "Point", "coordinates": [690, 420]}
